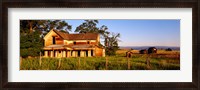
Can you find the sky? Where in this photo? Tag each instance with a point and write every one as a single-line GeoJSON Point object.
{"type": "Point", "coordinates": [141, 32]}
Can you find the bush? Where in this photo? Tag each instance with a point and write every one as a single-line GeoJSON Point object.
{"type": "Point", "coordinates": [30, 44]}
{"type": "Point", "coordinates": [111, 51]}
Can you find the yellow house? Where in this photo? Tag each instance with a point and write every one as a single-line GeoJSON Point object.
{"type": "Point", "coordinates": [60, 44]}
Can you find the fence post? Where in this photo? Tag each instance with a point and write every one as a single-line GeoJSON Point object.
{"type": "Point", "coordinates": [106, 63]}
{"type": "Point", "coordinates": [59, 63]}
{"type": "Point", "coordinates": [84, 61]}
{"type": "Point", "coordinates": [148, 62]}
{"type": "Point", "coordinates": [40, 59]}
{"type": "Point", "coordinates": [79, 63]}
{"type": "Point", "coordinates": [128, 61]}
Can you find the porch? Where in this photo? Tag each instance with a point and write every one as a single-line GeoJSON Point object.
{"type": "Point", "coordinates": [69, 53]}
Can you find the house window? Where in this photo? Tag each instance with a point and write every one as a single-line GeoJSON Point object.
{"type": "Point", "coordinates": [74, 43]}
{"type": "Point", "coordinates": [54, 40]}
{"type": "Point", "coordinates": [88, 42]}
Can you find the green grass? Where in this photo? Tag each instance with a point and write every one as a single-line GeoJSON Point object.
{"type": "Point", "coordinates": [118, 62]}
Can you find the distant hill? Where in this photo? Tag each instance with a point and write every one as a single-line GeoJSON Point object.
{"type": "Point", "coordinates": [146, 47]}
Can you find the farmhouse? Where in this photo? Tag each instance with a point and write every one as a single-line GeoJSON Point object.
{"type": "Point", "coordinates": [61, 44]}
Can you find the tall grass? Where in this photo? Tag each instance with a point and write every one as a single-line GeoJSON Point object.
{"type": "Point", "coordinates": [158, 61]}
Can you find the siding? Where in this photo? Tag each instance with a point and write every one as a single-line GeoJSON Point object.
{"type": "Point", "coordinates": [99, 51]}
{"type": "Point", "coordinates": [78, 42]}
{"type": "Point", "coordinates": [59, 40]}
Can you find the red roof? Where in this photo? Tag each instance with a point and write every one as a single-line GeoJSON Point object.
{"type": "Point", "coordinates": [82, 36]}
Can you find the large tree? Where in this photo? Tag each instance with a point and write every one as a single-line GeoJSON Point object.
{"type": "Point", "coordinates": [111, 39]}
{"type": "Point", "coordinates": [111, 43]}
{"type": "Point", "coordinates": [29, 26]}
{"type": "Point", "coordinates": [31, 32]}
{"type": "Point", "coordinates": [30, 44]}
{"type": "Point", "coordinates": [58, 24]}
{"type": "Point", "coordinates": [90, 26]}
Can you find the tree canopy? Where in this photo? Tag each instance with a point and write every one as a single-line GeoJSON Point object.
{"type": "Point", "coordinates": [28, 26]}
{"type": "Point", "coordinates": [90, 26]}
{"type": "Point", "coordinates": [31, 32]}
{"type": "Point", "coordinates": [111, 39]}
{"type": "Point", "coordinates": [31, 44]}
{"type": "Point", "coordinates": [111, 43]}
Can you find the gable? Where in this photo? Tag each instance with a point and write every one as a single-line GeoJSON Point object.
{"type": "Point", "coordinates": [48, 39]}
{"type": "Point", "coordinates": [50, 34]}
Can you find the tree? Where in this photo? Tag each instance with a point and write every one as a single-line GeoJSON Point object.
{"type": "Point", "coordinates": [28, 26]}
{"type": "Point", "coordinates": [31, 42]}
{"type": "Point", "coordinates": [90, 26]}
{"type": "Point", "coordinates": [58, 24]}
{"type": "Point", "coordinates": [111, 40]}
{"type": "Point", "coordinates": [112, 44]}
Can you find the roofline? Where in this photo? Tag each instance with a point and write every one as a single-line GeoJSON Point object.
{"type": "Point", "coordinates": [78, 39]}
{"type": "Point", "coordinates": [58, 33]}
{"type": "Point", "coordinates": [83, 33]}
{"type": "Point", "coordinates": [71, 34]}
{"type": "Point", "coordinates": [47, 34]}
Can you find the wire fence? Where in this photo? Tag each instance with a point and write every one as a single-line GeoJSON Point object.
{"type": "Point", "coordinates": [80, 63]}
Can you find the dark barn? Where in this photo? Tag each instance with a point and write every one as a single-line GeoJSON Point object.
{"type": "Point", "coordinates": [168, 49]}
{"type": "Point", "coordinates": [152, 50]}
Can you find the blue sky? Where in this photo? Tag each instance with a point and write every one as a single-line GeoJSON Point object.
{"type": "Point", "coordinates": [141, 32]}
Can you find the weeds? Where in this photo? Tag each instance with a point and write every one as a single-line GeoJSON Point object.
{"type": "Point", "coordinates": [160, 61]}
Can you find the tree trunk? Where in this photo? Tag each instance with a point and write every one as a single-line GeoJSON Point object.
{"type": "Point", "coordinates": [30, 27]}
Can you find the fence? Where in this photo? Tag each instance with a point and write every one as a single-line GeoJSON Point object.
{"type": "Point", "coordinates": [79, 63]}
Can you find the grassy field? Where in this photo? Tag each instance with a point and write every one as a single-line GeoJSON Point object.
{"type": "Point", "coordinates": [163, 60]}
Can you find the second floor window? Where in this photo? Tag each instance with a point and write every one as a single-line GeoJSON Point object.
{"type": "Point", "coordinates": [74, 43]}
{"type": "Point", "coordinates": [54, 40]}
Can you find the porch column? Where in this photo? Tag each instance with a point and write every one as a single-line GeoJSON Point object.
{"type": "Point", "coordinates": [73, 54]}
{"type": "Point", "coordinates": [63, 53]}
{"type": "Point", "coordinates": [69, 53]}
{"type": "Point", "coordinates": [82, 54]}
{"type": "Point", "coordinates": [76, 53]}
{"type": "Point", "coordinates": [89, 53]}
{"type": "Point", "coordinates": [46, 53]}
{"type": "Point", "coordinates": [56, 54]}
{"type": "Point", "coordinates": [51, 53]}
{"type": "Point", "coordinates": [59, 54]}
{"type": "Point", "coordinates": [94, 52]}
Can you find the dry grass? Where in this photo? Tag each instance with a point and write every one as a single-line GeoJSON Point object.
{"type": "Point", "coordinates": [163, 60]}
{"type": "Point", "coordinates": [123, 51]}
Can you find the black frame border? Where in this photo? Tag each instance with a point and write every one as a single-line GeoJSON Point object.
{"type": "Point", "coordinates": [194, 4]}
